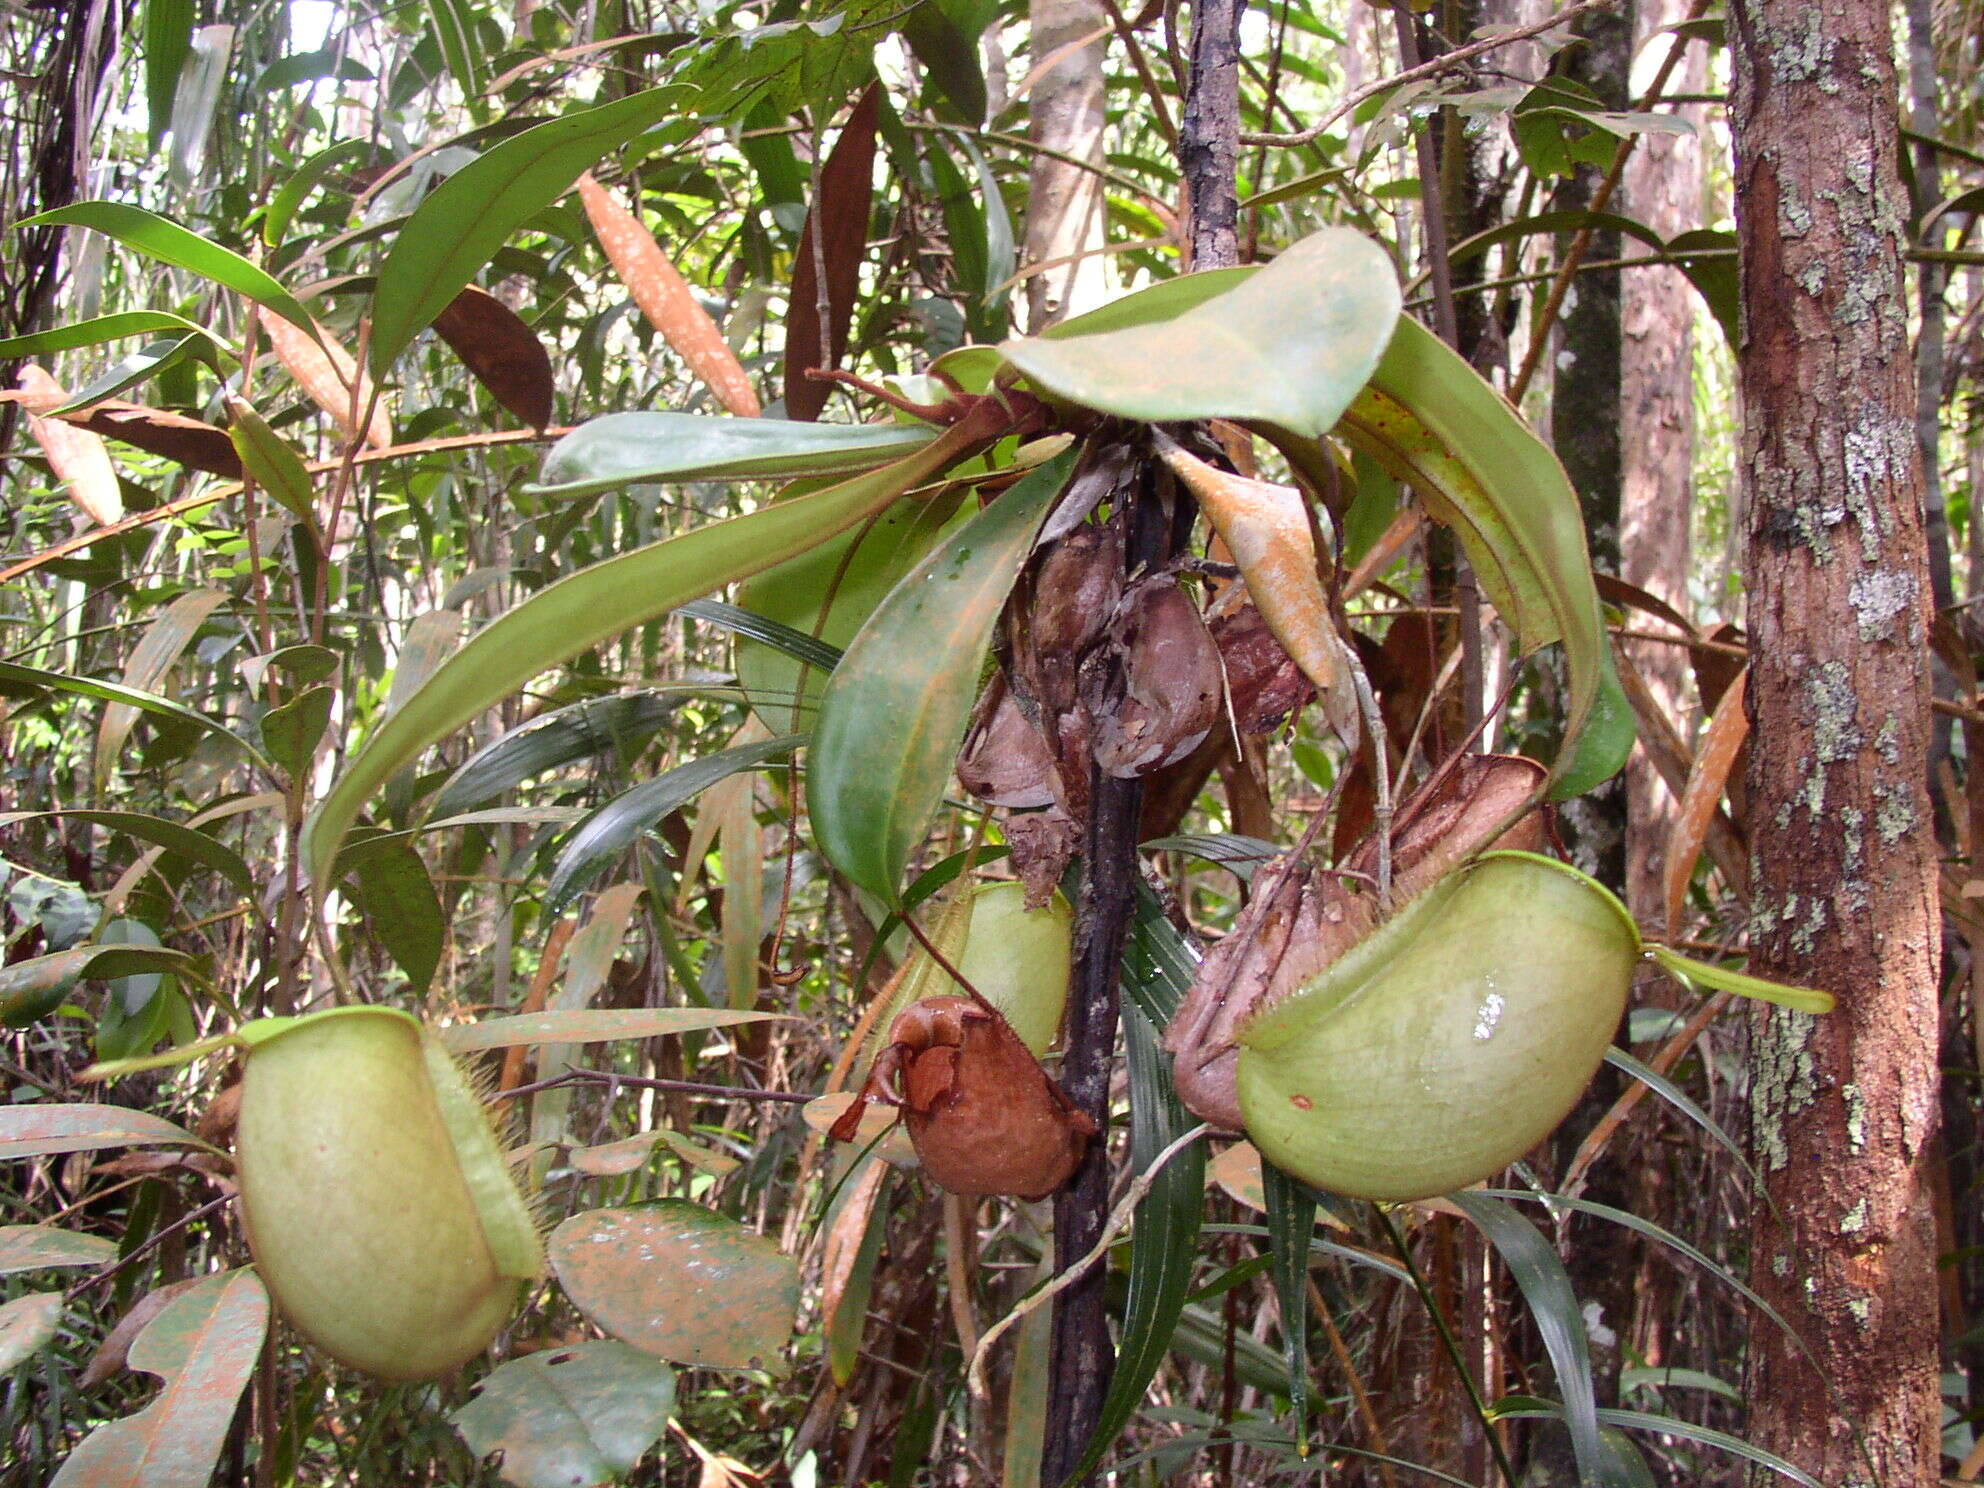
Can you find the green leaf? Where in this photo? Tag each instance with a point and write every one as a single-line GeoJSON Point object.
{"type": "Point", "coordinates": [168, 39]}
{"type": "Point", "coordinates": [272, 462]}
{"type": "Point", "coordinates": [1517, 1408]}
{"type": "Point", "coordinates": [389, 883]}
{"type": "Point", "coordinates": [112, 692]}
{"type": "Point", "coordinates": [570, 1418]}
{"type": "Point", "coordinates": [680, 1282]}
{"type": "Point", "coordinates": [943, 36]}
{"type": "Point", "coordinates": [796, 644]}
{"type": "Point", "coordinates": [1553, 1307]}
{"type": "Point", "coordinates": [304, 179]}
{"type": "Point", "coordinates": [624, 449]}
{"type": "Point", "coordinates": [1289, 346]}
{"type": "Point", "coordinates": [166, 241]}
{"type": "Point", "coordinates": [205, 1345]}
{"type": "Point", "coordinates": [830, 592]}
{"type": "Point", "coordinates": [1430, 420]}
{"type": "Point", "coordinates": [625, 721]}
{"type": "Point", "coordinates": [895, 708]}
{"type": "Point", "coordinates": [580, 611]}
{"type": "Point", "coordinates": [592, 1026]}
{"type": "Point", "coordinates": [171, 836]}
{"type": "Point", "coordinates": [27, 1326]}
{"type": "Point", "coordinates": [96, 332]}
{"type": "Point", "coordinates": [621, 822]}
{"type": "Point", "coordinates": [1164, 1241]}
{"type": "Point", "coordinates": [147, 362]}
{"type": "Point", "coordinates": [1676, 1097]}
{"type": "Point", "coordinates": [458, 229]}
{"type": "Point", "coordinates": [1291, 1206]}
{"type": "Point", "coordinates": [292, 731]}
{"type": "Point", "coordinates": [42, 1247]}
{"type": "Point", "coordinates": [454, 31]}
{"type": "Point", "coordinates": [1728, 979]}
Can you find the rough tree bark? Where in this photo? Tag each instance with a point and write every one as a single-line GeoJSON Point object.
{"type": "Point", "coordinates": [1843, 1107]}
{"type": "Point", "coordinates": [1064, 202]}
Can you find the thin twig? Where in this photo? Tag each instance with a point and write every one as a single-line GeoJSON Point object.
{"type": "Point", "coordinates": [1446, 62]}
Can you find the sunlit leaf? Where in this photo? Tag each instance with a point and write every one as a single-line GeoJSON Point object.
{"type": "Point", "coordinates": [680, 1282]}
{"type": "Point", "coordinates": [1289, 346]}
{"type": "Point", "coordinates": [585, 608]}
{"type": "Point", "coordinates": [570, 1418]}
{"type": "Point", "coordinates": [458, 229]}
{"type": "Point", "coordinates": [624, 449]}
{"type": "Point", "coordinates": [895, 708]}
{"type": "Point", "coordinates": [166, 241]}
{"type": "Point", "coordinates": [591, 1026]}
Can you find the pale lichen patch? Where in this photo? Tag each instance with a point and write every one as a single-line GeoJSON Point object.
{"type": "Point", "coordinates": [1877, 597]}
{"type": "Point", "coordinates": [1830, 699]}
{"type": "Point", "coordinates": [1856, 1118]}
{"type": "Point", "coordinates": [1786, 1081]}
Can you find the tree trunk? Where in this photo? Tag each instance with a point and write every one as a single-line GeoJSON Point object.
{"type": "Point", "coordinates": [1064, 204]}
{"type": "Point", "coordinates": [1662, 187]}
{"type": "Point", "coordinates": [1843, 1108]}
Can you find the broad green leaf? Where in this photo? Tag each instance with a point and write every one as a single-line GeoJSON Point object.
{"type": "Point", "coordinates": [1164, 1241]}
{"type": "Point", "coordinates": [27, 1325]}
{"type": "Point", "coordinates": [113, 692]}
{"type": "Point", "coordinates": [623, 449]}
{"type": "Point", "coordinates": [96, 332]}
{"type": "Point", "coordinates": [943, 36]}
{"type": "Point", "coordinates": [591, 1026]}
{"type": "Point", "coordinates": [829, 594]}
{"type": "Point", "coordinates": [292, 731]}
{"type": "Point", "coordinates": [577, 731]}
{"type": "Point", "coordinates": [204, 1345]}
{"type": "Point", "coordinates": [1728, 979]}
{"type": "Point", "coordinates": [580, 611]}
{"type": "Point", "coordinates": [571, 1417]}
{"type": "Point", "coordinates": [1558, 1316]}
{"type": "Point", "coordinates": [622, 821]}
{"type": "Point", "coordinates": [895, 708]}
{"type": "Point", "coordinates": [1517, 1408]}
{"type": "Point", "coordinates": [389, 882]}
{"type": "Point", "coordinates": [680, 1282]}
{"type": "Point", "coordinates": [1289, 346]}
{"type": "Point", "coordinates": [272, 462]}
{"type": "Point", "coordinates": [1429, 419]}
{"type": "Point", "coordinates": [35, 1130]}
{"type": "Point", "coordinates": [1164, 301]}
{"type": "Point", "coordinates": [39, 1247]}
{"type": "Point", "coordinates": [458, 229]}
{"type": "Point", "coordinates": [171, 836]}
{"type": "Point", "coordinates": [166, 241]}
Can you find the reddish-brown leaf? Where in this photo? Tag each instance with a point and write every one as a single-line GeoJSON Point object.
{"type": "Point", "coordinates": [501, 352]}
{"type": "Point", "coordinates": [1722, 740]}
{"type": "Point", "coordinates": [198, 445]}
{"type": "Point", "coordinates": [666, 300]}
{"type": "Point", "coordinates": [838, 225]}
{"type": "Point", "coordinates": [78, 458]}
